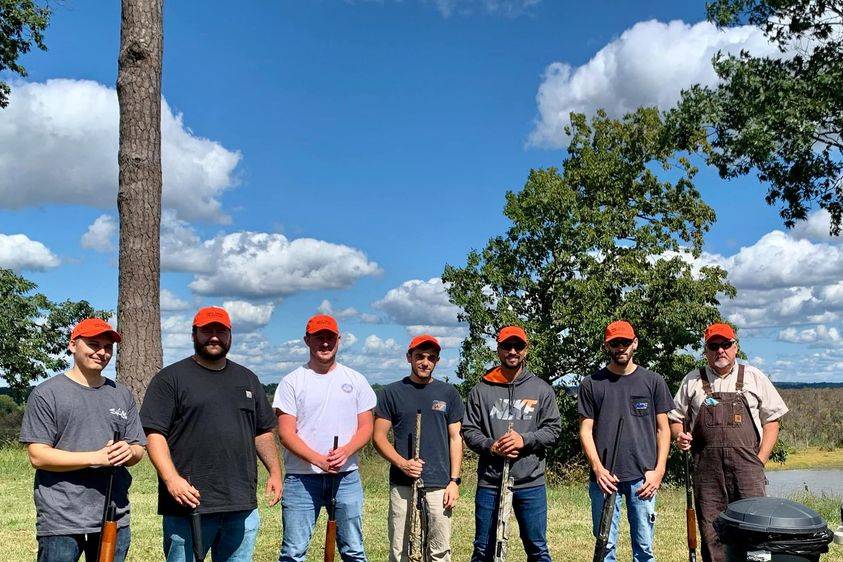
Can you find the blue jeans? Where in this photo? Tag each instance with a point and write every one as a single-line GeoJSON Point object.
{"type": "Point", "coordinates": [641, 515]}
{"type": "Point", "coordinates": [530, 507]}
{"type": "Point", "coordinates": [304, 496]}
{"type": "Point", "coordinates": [230, 536]}
{"type": "Point", "coordinates": [68, 548]}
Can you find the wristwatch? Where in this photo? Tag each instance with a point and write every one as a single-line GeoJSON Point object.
{"type": "Point", "coordinates": [457, 480]}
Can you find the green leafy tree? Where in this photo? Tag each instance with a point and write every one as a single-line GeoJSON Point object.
{"type": "Point", "coordinates": [606, 238]}
{"type": "Point", "coordinates": [34, 332]}
{"type": "Point", "coordinates": [780, 116]}
{"type": "Point", "coordinates": [22, 24]}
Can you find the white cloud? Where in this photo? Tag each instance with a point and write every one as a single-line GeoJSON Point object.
{"type": "Point", "coordinates": [649, 64]}
{"type": "Point", "coordinates": [171, 303]}
{"type": "Point", "coordinates": [373, 345]}
{"type": "Point", "coordinates": [820, 333]}
{"type": "Point", "coordinates": [326, 308]}
{"type": "Point", "coordinates": [73, 126]}
{"type": "Point", "coordinates": [19, 253]}
{"type": "Point", "coordinates": [348, 339]}
{"type": "Point", "coordinates": [248, 317]}
{"type": "Point", "coordinates": [260, 264]}
{"type": "Point", "coordinates": [418, 302]}
{"type": "Point", "coordinates": [101, 234]}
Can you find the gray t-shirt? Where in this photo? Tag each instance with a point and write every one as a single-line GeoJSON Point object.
{"type": "Point", "coordinates": [66, 415]}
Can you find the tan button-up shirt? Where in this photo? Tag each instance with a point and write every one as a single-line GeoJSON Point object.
{"type": "Point", "coordinates": [765, 403]}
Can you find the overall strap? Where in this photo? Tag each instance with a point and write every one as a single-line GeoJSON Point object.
{"type": "Point", "coordinates": [706, 385]}
{"type": "Point", "coordinates": [739, 384]}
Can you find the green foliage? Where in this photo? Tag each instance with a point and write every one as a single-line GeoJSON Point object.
{"type": "Point", "coordinates": [22, 24]}
{"type": "Point", "coordinates": [782, 117]}
{"type": "Point", "coordinates": [608, 237]}
{"type": "Point", "coordinates": [34, 332]}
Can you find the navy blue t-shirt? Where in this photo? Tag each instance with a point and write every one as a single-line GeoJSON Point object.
{"type": "Point", "coordinates": [637, 398]}
{"type": "Point", "coordinates": [441, 405]}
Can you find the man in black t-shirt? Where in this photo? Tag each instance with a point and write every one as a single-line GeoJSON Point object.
{"type": "Point", "coordinates": [625, 390]}
{"type": "Point", "coordinates": [207, 420]}
{"type": "Point", "coordinates": [440, 448]}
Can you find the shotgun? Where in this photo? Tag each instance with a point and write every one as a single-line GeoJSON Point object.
{"type": "Point", "coordinates": [417, 546]}
{"type": "Point", "coordinates": [690, 512]}
{"type": "Point", "coordinates": [196, 531]}
{"type": "Point", "coordinates": [504, 509]}
{"type": "Point", "coordinates": [108, 529]}
{"type": "Point", "coordinates": [608, 504]}
{"type": "Point", "coordinates": [331, 528]}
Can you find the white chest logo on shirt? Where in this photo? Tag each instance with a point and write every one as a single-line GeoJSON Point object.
{"type": "Point", "coordinates": [119, 412]}
{"type": "Point", "coordinates": [439, 406]}
{"type": "Point", "coordinates": [248, 394]}
{"type": "Point", "coordinates": [347, 388]}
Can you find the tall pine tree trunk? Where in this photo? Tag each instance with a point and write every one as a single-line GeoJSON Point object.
{"type": "Point", "coordinates": [139, 197]}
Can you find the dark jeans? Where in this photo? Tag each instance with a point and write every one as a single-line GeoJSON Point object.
{"type": "Point", "coordinates": [530, 508]}
{"type": "Point", "coordinates": [68, 548]}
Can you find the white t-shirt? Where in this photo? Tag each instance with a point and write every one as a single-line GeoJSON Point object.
{"type": "Point", "coordinates": [324, 406]}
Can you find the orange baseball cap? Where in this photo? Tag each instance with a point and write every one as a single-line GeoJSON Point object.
{"type": "Point", "coordinates": [720, 329]}
{"type": "Point", "coordinates": [211, 315]}
{"type": "Point", "coordinates": [619, 329]}
{"type": "Point", "coordinates": [90, 327]}
{"type": "Point", "coordinates": [512, 332]}
{"type": "Point", "coordinates": [424, 338]}
{"type": "Point", "coordinates": [322, 322]}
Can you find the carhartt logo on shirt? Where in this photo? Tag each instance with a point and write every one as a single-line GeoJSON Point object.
{"type": "Point", "coordinates": [439, 406]}
{"type": "Point", "coordinates": [347, 388]}
{"type": "Point", "coordinates": [248, 394]}
{"type": "Point", "coordinates": [119, 412]}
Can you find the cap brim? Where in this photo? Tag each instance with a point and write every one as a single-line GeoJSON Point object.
{"type": "Point", "coordinates": [115, 336]}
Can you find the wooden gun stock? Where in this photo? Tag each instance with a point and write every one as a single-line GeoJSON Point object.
{"type": "Point", "coordinates": [691, 524]}
{"type": "Point", "coordinates": [330, 540]}
{"type": "Point", "coordinates": [108, 536]}
{"type": "Point", "coordinates": [690, 512]}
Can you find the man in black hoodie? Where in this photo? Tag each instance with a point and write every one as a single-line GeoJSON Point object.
{"type": "Point", "coordinates": [510, 394]}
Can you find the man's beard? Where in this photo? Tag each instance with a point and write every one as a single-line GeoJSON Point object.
{"type": "Point", "coordinates": [615, 360]}
{"type": "Point", "coordinates": [205, 354]}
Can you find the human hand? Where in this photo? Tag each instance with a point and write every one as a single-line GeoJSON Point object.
{"type": "Point", "coordinates": [452, 494]}
{"type": "Point", "coordinates": [652, 482]}
{"type": "Point", "coordinates": [411, 467]}
{"type": "Point", "coordinates": [683, 441]}
{"type": "Point", "coordinates": [182, 491]}
{"type": "Point", "coordinates": [606, 480]}
{"type": "Point", "coordinates": [338, 457]}
{"type": "Point", "coordinates": [118, 453]}
{"type": "Point", "coordinates": [273, 490]}
{"type": "Point", "coordinates": [510, 444]}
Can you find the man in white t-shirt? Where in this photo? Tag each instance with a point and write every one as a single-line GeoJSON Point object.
{"type": "Point", "coordinates": [316, 402]}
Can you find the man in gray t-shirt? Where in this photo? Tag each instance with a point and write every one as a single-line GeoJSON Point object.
{"type": "Point", "coordinates": [69, 426]}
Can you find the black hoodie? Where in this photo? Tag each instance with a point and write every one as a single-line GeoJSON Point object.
{"type": "Point", "coordinates": [530, 404]}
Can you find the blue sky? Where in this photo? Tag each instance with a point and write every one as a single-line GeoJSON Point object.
{"type": "Point", "coordinates": [353, 148]}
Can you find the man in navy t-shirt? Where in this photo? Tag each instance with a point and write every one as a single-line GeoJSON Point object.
{"type": "Point", "coordinates": [625, 390]}
{"type": "Point", "coordinates": [440, 448]}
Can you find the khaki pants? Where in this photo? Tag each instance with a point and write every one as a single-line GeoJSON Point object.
{"type": "Point", "coordinates": [439, 532]}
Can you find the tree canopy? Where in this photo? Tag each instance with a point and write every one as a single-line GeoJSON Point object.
{"type": "Point", "coordinates": [22, 24]}
{"type": "Point", "coordinates": [34, 332]}
{"type": "Point", "coordinates": [610, 236]}
{"type": "Point", "coordinates": [779, 116]}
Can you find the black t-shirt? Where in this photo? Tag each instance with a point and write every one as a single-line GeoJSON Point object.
{"type": "Point", "coordinates": [210, 419]}
{"type": "Point", "coordinates": [637, 397]}
{"type": "Point", "coordinates": [441, 405]}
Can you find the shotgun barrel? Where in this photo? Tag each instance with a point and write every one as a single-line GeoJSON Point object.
{"type": "Point", "coordinates": [608, 513]}
{"type": "Point", "coordinates": [331, 528]}
{"type": "Point", "coordinates": [416, 545]}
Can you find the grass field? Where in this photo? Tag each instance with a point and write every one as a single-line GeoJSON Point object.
{"type": "Point", "coordinates": [811, 457]}
{"type": "Point", "coordinates": [569, 520]}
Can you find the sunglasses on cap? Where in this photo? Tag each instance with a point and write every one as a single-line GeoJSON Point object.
{"type": "Point", "coordinates": [517, 345]}
{"type": "Point", "coordinates": [619, 342]}
{"type": "Point", "coordinates": [714, 346]}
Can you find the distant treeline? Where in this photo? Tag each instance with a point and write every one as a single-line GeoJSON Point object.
{"type": "Point", "coordinates": [815, 418]}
